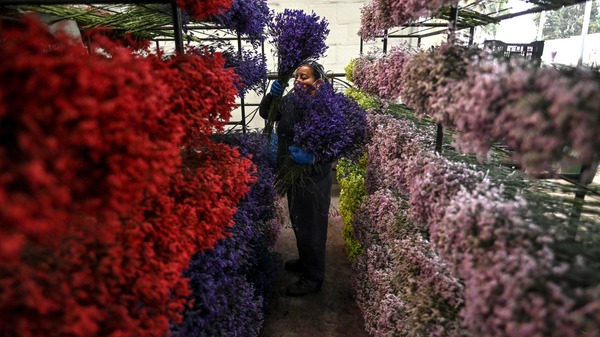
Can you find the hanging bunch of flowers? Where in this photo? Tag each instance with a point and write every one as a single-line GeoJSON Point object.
{"type": "Point", "coordinates": [330, 125]}
{"type": "Point", "coordinates": [380, 15]}
{"type": "Point", "coordinates": [296, 36]}
{"type": "Point", "coordinates": [380, 75]}
{"type": "Point", "coordinates": [204, 111]}
{"type": "Point", "coordinates": [251, 68]}
{"type": "Point", "coordinates": [372, 23]}
{"type": "Point", "coordinates": [245, 17]}
{"type": "Point", "coordinates": [351, 178]}
{"type": "Point", "coordinates": [430, 78]}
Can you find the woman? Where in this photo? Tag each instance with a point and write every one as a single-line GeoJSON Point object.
{"type": "Point", "coordinates": [308, 201]}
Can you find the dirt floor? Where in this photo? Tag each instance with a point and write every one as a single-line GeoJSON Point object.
{"type": "Point", "coordinates": [329, 313]}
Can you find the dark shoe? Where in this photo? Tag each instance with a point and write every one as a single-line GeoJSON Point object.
{"type": "Point", "coordinates": [303, 287]}
{"type": "Point", "coordinates": [293, 266]}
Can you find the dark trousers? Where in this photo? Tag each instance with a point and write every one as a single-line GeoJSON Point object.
{"type": "Point", "coordinates": [309, 213]}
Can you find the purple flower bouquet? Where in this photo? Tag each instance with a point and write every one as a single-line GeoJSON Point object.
{"type": "Point", "coordinates": [250, 66]}
{"type": "Point", "coordinates": [331, 126]}
{"type": "Point", "coordinates": [247, 18]}
{"type": "Point", "coordinates": [296, 36]}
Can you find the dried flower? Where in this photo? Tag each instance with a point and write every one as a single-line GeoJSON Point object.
{"type": "Point", "coordinates": [296, 37]}
{"type": "Point", "coordinates": [245, 17]}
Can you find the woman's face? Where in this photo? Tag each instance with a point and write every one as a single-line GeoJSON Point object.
{"type": "Point", "coordinates": [305, 75]}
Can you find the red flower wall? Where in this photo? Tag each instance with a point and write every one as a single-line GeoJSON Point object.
{"type": "Point", "coordinates": [99, 214]}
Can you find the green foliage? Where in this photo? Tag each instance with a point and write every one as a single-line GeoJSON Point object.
{"type": "Point", "coordinates": [351, 178]}
{"type": "Point", "coordinates": [363, 99]}
{"type": "Point", "coordinates": [494, 8]}
{"type": "Point", "coordinates": [568, 21]}
{"type": "Point", "coordinates": [350, 68]}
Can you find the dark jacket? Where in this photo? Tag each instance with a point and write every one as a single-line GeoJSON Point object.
{"type": "Point", "coordinates": [287, 117]}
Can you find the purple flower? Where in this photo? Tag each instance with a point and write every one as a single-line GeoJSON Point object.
{"type": "Point", "coordinates": [296, 37]}
{"type": "Point", "coordinates": [246, 17]}
{"type": "Point", "coordinates": [232, 282]}
{"type": "Point", "coordinates": [384, 14]}
{"type": "Point", "coordinates": [251, 67]}
{"type": "Point", "coordinates": [332, 126]}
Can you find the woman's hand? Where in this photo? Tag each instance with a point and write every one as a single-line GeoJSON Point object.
{"type": "Point", "coordinates": [276, 88]}
{"type": "Point", "coordinates": [300, 156]}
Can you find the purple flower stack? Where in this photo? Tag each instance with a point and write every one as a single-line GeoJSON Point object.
{"type": "Point", "coordinates": [331, 126]}
{"type": "Point", "coordinates": [251, 67]}
{"type": "Point", "coordinates": [296, 37]}
{"type": "Point", "coordinates": [247, 18]}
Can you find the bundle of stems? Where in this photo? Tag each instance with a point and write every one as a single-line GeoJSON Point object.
{"type": "Point", "coordinates": [141, 21]}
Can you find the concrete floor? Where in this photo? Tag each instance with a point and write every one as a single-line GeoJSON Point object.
{"type": "Point", "coordinates": [330, 313]}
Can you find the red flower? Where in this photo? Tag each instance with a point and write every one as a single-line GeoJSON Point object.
{"type": "Point", "coordinates": [204, 9]}
{"type": "Point", "coordinates": [99, 215]}
{"type": "Point", "coordinates": [204, 93]}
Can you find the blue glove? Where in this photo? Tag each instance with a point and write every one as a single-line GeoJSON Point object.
{"type": "Point", "coordinates": [276, 88]}
{"type": "Point", "coordinates": [300, 156]}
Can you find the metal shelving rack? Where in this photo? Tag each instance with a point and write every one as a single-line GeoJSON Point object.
{"type": "Point", "coordinates": [178, 37]}
{"type": "Point", "coordinates": [177, 21]}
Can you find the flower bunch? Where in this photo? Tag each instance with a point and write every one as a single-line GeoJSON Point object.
{"type": "Point", "coordinates": [226, 302]}
{"type": "Point", "coordinates": [427, 288]}
{"type": "Point", "coordinates": [245, 17]}
{"type": "Point", "coordinates": [296, 37]}
{"type": "Point", "coordinates": [350, 69]}
{"type": "Point", "coordinates": [381, 75]}
{"type": "Point", "coordinates": [351, 178]}
{"type": "Point", "coordinates": [371, 272]}
{"type": "Point", "coordinates": [204, 9]}
{"type": "Point", "coordinates": [379, 15]}
{"type": "Point", "coordinates": [363, 99]}
{"type": "Point", "coordinates": [329, 125]}
{"type": "Point", "coordinates": [251, 68]}
{"type": "Point", "coordinates": [481, 95]}
{"type": "Point", "coordinates": [205, 111]}
{"type": "Point", "coordinates": [361, 67]}
{"type": "Point", "coordinates": [372, 23]}
{"type": "Point", "coordinates": [376, 219]}
{"type": "Point", "coordinates": [433, 182]}
{"type": "Point", "coordinates": [391, 144]}
{"type": "Point", "coordinates": [332, 126]}
{"type": "Point", "coordinates": [430, 79]}
{"type": "Point", "coordinates": [560, 106]}
{"type": "Point", "coordinates": [416, 8]}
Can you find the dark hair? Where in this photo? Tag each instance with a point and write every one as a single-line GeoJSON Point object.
{"type": "Point", "coordinates": [317, 69]}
